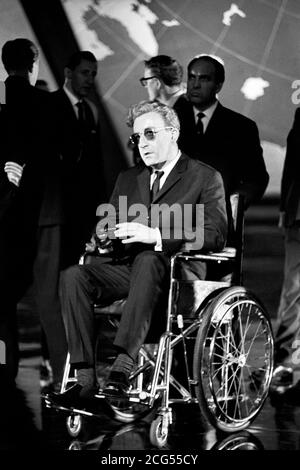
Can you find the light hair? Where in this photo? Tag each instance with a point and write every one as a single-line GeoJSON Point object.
{"type": "Point", "coordinates": [168, 114]}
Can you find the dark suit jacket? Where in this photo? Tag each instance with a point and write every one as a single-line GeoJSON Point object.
{"type": "Point", "coordinates": [83, 181]}
{"type": "Point", "coordinates": [290, 183]}
{"type": "Point", "coordinates": [189, 183]}
{"type": "Point", "coordinates": [30, 139]}
{"type": "Point", "coordinates": [230, 144]}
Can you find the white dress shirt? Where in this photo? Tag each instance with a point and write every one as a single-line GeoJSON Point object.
{"type": "Point", "coordinates": [167, 168]}
{"type": "Point", "coordinates": [74, 100]}
{"type": "Point", "coordinates": [207, 115]}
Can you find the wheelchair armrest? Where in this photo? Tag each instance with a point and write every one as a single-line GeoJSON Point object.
{"type": "Point", "coordinates": [227, 254]}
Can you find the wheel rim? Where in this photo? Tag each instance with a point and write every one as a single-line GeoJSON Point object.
{"type": "Point", "coordinates": [74, 423]}
{"type": "Point", "coordinates": [158, 432]}
{"type": "Point", "coordinates": [161, 435]}
{"type": "Point", "coordinates": [127, 412]}
{"type": "Point", "coordinates": [240, 441]}
{"type": "Point", "coordinates": [239, 346]}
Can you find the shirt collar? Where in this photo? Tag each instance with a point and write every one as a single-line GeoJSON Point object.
{"type": "Point", "coordinates": [207, 112]}
{"type": "Point", "coordinates": [74, 100]}
{"type": "Point", "coordinates": [169, 165]}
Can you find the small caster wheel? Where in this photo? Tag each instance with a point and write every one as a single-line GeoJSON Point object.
{"type": "Point", "coordinates": [159, 431]}
{"type": "Point", "coordinates": [74, 424]}
{"type": "Point", "coordinates": [75, 445]}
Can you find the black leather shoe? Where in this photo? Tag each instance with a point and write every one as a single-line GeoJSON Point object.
{"type": "Point", "coordinates": [71, 398]}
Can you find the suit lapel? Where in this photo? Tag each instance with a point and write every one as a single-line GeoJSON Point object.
{"type": "Point", "coordinates": [173, 178]}
{"type": "Point", "coordinates": [143, 179]}
{"type": "Point", "coordinates": [215, 120]}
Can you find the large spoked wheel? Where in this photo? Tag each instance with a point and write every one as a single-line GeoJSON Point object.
{"type": "Point", "coordinates": [233, 359]}
{"type": "Point", "coordinates": [240, 441]}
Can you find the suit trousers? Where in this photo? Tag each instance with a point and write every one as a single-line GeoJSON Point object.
{"type": "Point", "coordinates": [287, 338]}
{"type": "Point", "coordinates": [144, 282]}
{"type": "Point", "coordinates": [16, 260]}
{"type": "Point", "coordinates": [47, 267]}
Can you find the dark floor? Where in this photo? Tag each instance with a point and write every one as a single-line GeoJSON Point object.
{"type": "Point", "coordinates": [29, 424]}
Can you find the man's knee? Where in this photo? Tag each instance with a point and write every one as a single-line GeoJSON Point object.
{"type": "Point", "coordinates": [72, 276]}
{"type": "Point", "coordinates": [151, 261]}
{"type": "Point", "coordinates": [149, 256]}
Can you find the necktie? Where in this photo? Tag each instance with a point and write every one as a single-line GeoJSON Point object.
{"type": "Point", "coordinates": [155, 186]}
{"type": "Point", "coordinates": [81, 117]}
{"type": "Point", "coordinates": [85, 117]}
{"type": "Point", "coordinates": [199, 124]}
{"type": "Point", "coordinates": [86, 125]}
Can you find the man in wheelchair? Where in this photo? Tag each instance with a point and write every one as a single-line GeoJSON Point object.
{"type": "Point", "coordinates": [165, 204]}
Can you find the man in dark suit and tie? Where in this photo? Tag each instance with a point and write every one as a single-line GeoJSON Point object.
{"type": "Point", "coordinates": [79, 145]}
{"type": "Point", "coordinates": [169, 181]}
{"type": "Point", "coordinates": [77, 191]}
{"type": "Point", "coordinates": [219, 136]}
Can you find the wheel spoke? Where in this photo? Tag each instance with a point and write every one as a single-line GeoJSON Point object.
{"type": "Point", "coordinates": [239, 346]}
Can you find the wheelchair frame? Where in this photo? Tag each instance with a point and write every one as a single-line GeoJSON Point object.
{"type": "Point", "coordinates": [233, 342]}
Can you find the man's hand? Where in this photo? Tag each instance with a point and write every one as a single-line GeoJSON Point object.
{"type": "Point", "coordinates": [136, 233]}
{"type": "Point", "coordinates": [90, 247]}
{"type": "Point", "coordinates": [14, 172]}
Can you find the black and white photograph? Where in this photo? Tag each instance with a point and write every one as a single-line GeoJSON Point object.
{"type": "Point", "coordinates": [149, 228]}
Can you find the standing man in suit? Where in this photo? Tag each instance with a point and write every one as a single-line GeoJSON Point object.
{"type": "Point", "coordinates": [287, 337]}
{"type": "Point", "coordinates": [219, 136]}
{"type": "Point", "coordinates": [167, 179]}
{"type": "Point", "coordinates": [31, 208]}
{"type": "Point", "coordinates": [79, 145]}
{"type": "Point", "coordinates": [78, 190]}
{"type": "Point", "coordinates": [163, 80]}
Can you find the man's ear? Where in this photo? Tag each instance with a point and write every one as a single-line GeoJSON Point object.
{"type": "Point", "coordinates": [175, 134]}
{"type": "Point", "coordinates": [219, 87]}
{"type": "Point", "coordinates": [67, 72]}
{"type": "Point", "coordinates": [158, 83]}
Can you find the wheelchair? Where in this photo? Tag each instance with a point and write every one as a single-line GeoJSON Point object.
{"type": "Point", "coordinates": [225, 343]}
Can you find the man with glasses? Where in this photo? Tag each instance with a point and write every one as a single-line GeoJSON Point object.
{"type": "Point", "coordinates": [163, 80]}
{"type": "Point", "coordinates": [168, 180]}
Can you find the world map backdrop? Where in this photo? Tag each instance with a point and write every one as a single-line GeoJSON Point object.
{"type": "Point", "coordinates": [257, 39]}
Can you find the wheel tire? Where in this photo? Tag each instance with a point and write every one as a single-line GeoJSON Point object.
{"type": "Point", "coordinates": [75, 445]}
{"type": "Point", "coordinates": [234, 340]}
{"type": "Point", "coordinates": [241, 441]}
{"type": "Point", "coordinates": [158, 436]}
{"type": "Point", "coordinates": [129, 412]}
{"type": "Point", "coordinates": [74, 424]}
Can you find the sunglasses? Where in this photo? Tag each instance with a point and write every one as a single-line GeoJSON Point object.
{"type": "Point", "coordinates": [148, 133]}
{"type": "Point", "coordinates": [143, 80]}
